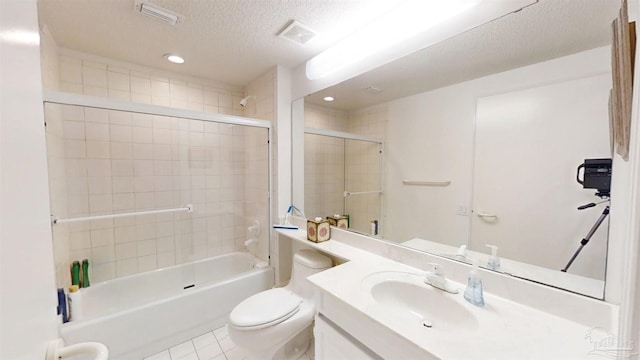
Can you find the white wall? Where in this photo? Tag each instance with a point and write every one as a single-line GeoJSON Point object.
{"type": "Point", "coordinates": [434, 142]}
{"type": "Point", "coordinates": [28, 304]}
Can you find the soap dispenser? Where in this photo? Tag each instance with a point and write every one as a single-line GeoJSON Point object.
{"type": "Point", "coordinates": [494, 260]}
{"type": "Point", "coordinates": [473, 293]}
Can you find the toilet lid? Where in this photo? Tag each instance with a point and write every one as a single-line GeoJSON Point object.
{"type": "Point", "coordinates": [265, 309]}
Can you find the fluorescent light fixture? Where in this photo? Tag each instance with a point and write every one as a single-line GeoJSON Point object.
{"type": "Point", "coordinates": [176, 59]}
{"type": "Point", "coordinates": [20, 37]}
{"type": "Point", "coordinates": [328, 98]}
{"type": "Point", "coordinates": [405, 21]}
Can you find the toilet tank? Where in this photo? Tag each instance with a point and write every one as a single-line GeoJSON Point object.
{"type": "Point", "coordinates": [306, 263]}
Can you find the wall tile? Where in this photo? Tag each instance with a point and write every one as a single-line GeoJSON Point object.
{"type": "Point", "coordinates": [103, 272]}
{"type": "Point", "coordinates": [98, 149]}
{"type": "Point", "coordinates": [147, 263]}
{"type": "Point", "coordinates": [99, 185]}
{"type": "Point", "coordinates": [100, 204]}
{"type": "Point", "coordinates": [122, 168]}
{"type": "Point", "coordinates": [80, 240]}
{"type": "Point", "coordinates": [125, 234]}
{"type": "Point", "coordinates": [124, 202]}
{"type": "Point", "coordinates": [103, 254]}
{"type": "Point", "coordinates": [140, 86]}
{"type": "Point", "coordinates": [138, 161]}
{"type": "Point", "coordinates": [166, 259]}
{"type": "Point", "coordinates": [126, 267]}
{"type": "Point", "coordinates": [120, 133]}
{"type": "Point", "coordinates": [97, 91]}
{"type": "Point", "coordinates": [118, 81]}
{"type": "Point", "coordinates": [121, 150]}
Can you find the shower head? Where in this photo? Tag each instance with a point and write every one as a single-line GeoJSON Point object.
{"type": "Point", "coordinates": [244, 101]}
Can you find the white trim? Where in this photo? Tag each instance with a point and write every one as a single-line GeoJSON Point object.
{"type": "Point", "coordinates": [102, 103]}
{"type": "Point", "coordinates": [629, 319]}
{"type": "Point", "coordinates": [341, 134]}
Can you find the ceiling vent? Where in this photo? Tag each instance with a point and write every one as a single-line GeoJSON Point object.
{"type": "Point", "coordinates": [373, 90]}
{"type": "Point", "coordinates": [298, 33]}
{"type": "Point", "coordinates": [156, 12]}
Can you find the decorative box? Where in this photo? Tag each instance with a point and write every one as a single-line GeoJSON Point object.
{"type": "Point", "coordinates": [318, 230]}
{"type": "Point", "coordinates": [339, 221]}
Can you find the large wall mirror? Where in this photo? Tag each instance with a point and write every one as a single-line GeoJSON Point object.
{"type": "Point", "coordinates": [480, 139]}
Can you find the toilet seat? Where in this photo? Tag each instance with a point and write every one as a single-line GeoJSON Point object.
{"type": "Point", "coordinates": [265, 309]}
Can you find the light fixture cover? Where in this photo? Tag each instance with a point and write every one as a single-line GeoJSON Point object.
{"type": "Point", "coordinates": [176, 59]}
{"type": "Point", "coordinates": [405, 21]}
{"type": "Point", "coordinates": [298, 33]}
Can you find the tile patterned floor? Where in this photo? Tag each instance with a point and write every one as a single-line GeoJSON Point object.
{"type": "Point", "coordinates": [214, 345]}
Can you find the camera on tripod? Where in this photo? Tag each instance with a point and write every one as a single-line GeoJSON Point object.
{"type": "Point", "coordinates": [597, 175]}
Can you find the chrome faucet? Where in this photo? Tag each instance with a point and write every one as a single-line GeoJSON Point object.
{"type": "Point", "coordinates": [435, 277]}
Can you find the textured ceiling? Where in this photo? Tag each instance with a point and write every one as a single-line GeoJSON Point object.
{"type": "Point", "coordinates": [232, 41]}
{"type": "Point", "coordinates": [235, 41]}
{"type": "Point", "coordinates": [542, 31]}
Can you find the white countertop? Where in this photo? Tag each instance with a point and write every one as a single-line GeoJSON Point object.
{"type": "Point", "coordinates": [563, 280]}
{"type": "Point", "coordinates": [503, 329]}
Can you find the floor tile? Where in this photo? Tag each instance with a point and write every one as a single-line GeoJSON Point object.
{"type": "Point", "coordinates": [209, 352]}
{"type": "Point", "coordinates": [221, 333]}
{"type": "Point", "coordinates": [182, 350]}
{"type": "Point", "coordinates": [226, 344]}
{"type": "Point", "coordinates": [191, 356]}
{"type": "Point", "coordinates": [164, 355]}
{"type": "Point", "coordinates": [236, 353]}
{"type": "Point", "coordinates": [204, 340]}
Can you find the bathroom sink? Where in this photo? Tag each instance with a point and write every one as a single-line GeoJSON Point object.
{"type": "Point", "coordinates": [404, 296]}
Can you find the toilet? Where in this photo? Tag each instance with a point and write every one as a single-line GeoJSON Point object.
{"type": "Point", "coordinates": [276, 324]}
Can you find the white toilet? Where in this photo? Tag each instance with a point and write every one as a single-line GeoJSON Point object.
{"type": "Point", "coordinates": [276, 324]}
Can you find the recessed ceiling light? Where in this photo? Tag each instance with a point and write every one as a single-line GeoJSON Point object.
{"type": "Point", "coordinates": [328, 98]}
{"type": "Point", "coordinates": [174, 58]}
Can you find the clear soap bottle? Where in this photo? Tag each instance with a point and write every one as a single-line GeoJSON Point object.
{"type": "Point", "coordinates": [473, 292]}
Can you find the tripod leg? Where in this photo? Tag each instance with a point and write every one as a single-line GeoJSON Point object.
{"type": "Point", "coordinates": [586, 239]}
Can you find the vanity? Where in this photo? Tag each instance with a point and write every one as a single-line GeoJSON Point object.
{"type": "Point", "coordinates": [484, 159]}
{"type": "Point", "coordinates": [372, 306]}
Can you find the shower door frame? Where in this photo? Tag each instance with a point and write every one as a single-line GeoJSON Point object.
{"type": "Point", "coordinates": [63, 98]}
{"type": "Point", "coordinates": [357, 137]}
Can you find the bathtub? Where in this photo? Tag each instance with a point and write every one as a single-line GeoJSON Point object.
{"type": "Point", "coordinates": [142, 314]}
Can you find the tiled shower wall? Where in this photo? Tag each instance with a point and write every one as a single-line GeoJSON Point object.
{"type": "Point", "coordinates": [324, 175]}
{"type": "Point", "coordinates": [365, 168]}
{"type": "Point", "coordinates": [115, 161]}
{"type": "Point", "coordinates": [324, 162]}
{"type": "Point", "coordinates": [91, 75]}
{"type": "Point", "coordinates": [333, 165]}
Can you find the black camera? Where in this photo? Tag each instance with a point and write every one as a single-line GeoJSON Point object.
{"type": "Point", "coordinates": [597, 175]}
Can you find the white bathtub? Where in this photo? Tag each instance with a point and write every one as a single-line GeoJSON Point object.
{"type": "Point", "coordinates": [142, 314]}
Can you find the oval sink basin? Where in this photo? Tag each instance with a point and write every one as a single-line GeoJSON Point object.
{"type": "Point", "coordinates": [406, 295]}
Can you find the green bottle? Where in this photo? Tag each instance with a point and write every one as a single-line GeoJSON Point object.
{"type": "Point", "coordinates": [85, 273]}
{"type": "Point", "coordinates": [75, 273]}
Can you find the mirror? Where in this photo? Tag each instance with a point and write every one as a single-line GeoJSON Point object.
{"type": "Point", "coordinates": [482, 136]}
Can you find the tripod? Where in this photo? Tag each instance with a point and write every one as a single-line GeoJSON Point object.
{"type": "Point", "coordinates": [586, 239]}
